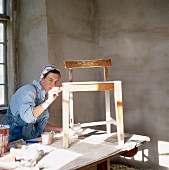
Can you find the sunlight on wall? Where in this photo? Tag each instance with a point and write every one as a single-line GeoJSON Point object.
{"type": "Point", "coordinates": [163, 151]}
{"type": "Point", "coordinates": [142, 155]}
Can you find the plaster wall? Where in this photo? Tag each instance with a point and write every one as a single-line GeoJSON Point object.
{"type": "Point", "coordinates": [71, 35]}
{"type": "Point", "coordinates": [135, 34]}
{"type": "Point", "coordinates": [52, 31]}
{"type": "Point", "coordinates": [32, 44]}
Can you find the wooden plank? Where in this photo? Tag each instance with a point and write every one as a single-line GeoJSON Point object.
{"type": "Point", "coordinates": [83, 154]}
{"type": "Point", "coordinates": [87, 63]}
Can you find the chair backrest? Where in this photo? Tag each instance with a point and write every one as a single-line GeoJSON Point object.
{"type": "Point", "coordinates": [73, 64]}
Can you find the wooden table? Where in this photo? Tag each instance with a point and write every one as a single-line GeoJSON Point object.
{"type": "Point", "coordinates": [97, 150]}
{"type": "Point", "coordinates": [93, 150]}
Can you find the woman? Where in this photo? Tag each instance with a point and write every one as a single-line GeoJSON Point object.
{"type": "Point", "coordinates": [27, 113]}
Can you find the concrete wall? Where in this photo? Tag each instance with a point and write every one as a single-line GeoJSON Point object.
{"type": "Point", "coordinates": [133, 33]}
{"type": "Point", "coordinates": [33, 48]}
{"type": "Point", "coordinates": [71, 35]}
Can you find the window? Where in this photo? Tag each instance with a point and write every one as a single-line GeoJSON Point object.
{"type": "Point", "coordinates": [3, 53]}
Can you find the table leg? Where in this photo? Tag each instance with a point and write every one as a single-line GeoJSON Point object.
{"type": "Point", "coordinates": [105, 165]}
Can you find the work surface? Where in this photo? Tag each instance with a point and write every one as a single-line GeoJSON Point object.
{"type": "Point", "coordinates": [81, 153]}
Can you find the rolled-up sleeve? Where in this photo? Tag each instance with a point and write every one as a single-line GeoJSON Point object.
{"type": "Point", "coordinates": [23, 102]}
{"type": "Point", "coordinates": [26, 104]}
{"type": "Point", "coordinates": [25, 99]}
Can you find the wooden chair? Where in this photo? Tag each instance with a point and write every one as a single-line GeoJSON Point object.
{"type": "Point", "coordinates": [107, 86]}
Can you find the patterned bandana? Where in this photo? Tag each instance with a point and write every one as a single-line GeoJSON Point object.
{"type": "Point", "coordinates": [48, 68]}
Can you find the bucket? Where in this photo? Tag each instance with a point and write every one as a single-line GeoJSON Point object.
{"type": "Point", "coordinates": [4, 138]}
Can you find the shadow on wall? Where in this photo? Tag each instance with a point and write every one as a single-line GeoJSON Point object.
{"type": "Point", "coordinates": [144, 157]}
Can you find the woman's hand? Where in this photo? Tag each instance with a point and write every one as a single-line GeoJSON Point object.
{"type": "Point", "coordinates": [57, 129]}
{"type": "Point", "coordinates": [53, 93]}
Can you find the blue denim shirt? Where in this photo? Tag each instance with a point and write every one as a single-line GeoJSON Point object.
{"type": "Point", "coordinates": [19, 114]}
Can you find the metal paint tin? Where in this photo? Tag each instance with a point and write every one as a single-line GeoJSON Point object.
{"type": "Point", "coordinates": [4, 138]}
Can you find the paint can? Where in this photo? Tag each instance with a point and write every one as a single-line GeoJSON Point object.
{"type": "Point", "coordinates": [4, 138]}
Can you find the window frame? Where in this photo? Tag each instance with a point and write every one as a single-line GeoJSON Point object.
{"type": "Point", "coordinates": [3, 20]}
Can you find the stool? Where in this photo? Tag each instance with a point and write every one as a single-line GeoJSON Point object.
{"type": "Point", "coordinates": [107, 86]}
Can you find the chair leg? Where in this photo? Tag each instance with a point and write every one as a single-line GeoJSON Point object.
{"type": "Point", "coordinates": [108, 118]}
{"type": "Point", "coordinates": [65, 117]}
{"type": "Point", "coordinates": [71, 111]}
{"type": "Point", "coordinates": [119, 111]}
{"type": "Point", "coordinates": [104, 165]}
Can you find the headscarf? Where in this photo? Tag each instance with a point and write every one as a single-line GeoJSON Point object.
{"type": "Point", "coordinates": [46, 69]}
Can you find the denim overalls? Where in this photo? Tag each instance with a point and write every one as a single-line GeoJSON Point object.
{"type": "Point", "coordinates": [19, 129]}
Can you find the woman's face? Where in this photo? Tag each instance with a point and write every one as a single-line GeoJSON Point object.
{"type": "Point", "coordinates": [50, 81]}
